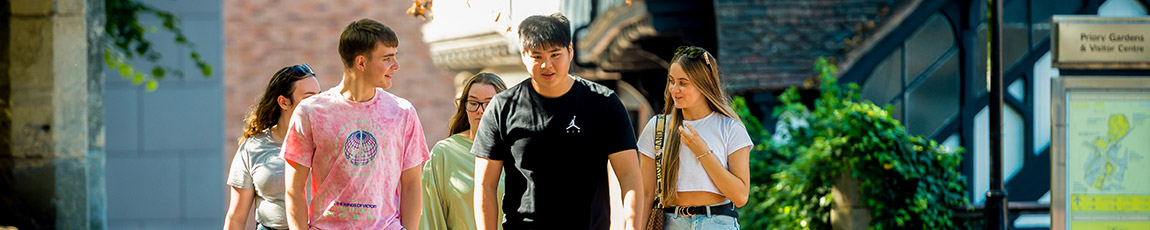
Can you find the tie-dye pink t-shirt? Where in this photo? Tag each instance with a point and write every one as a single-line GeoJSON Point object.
{"type": "Point", "coordinates": [356, 152]}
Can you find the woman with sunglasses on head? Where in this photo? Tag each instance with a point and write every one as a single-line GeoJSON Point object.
{"type": "Point", "coordinates": [703, 170]}
{"type": "Point", "coordinates": [257, 171]}
{"type": "Point", "coordinates": [448, 180]}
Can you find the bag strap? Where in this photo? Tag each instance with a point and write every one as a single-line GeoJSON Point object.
{"type": "Point", "coordinates": [660, 128]}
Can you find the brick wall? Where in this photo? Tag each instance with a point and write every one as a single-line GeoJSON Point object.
{"type": "Point", "coordinates": [262, 36]}
{"type": "Point", "coordinates": [772, 44]}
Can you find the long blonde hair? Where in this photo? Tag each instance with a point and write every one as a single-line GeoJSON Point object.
{"type": "Point", "coordinates": [702, 69]}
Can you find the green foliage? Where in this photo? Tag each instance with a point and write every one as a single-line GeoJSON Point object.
{"type": "Point", "coordinates": [127, 43]}
{"type": "Point", "coordinates": [907, 181]}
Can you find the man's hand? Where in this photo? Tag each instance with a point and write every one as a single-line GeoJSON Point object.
{"type": "Point", "coordinates": [626, 166]}
{"type": "Point", "coordinates": [411, 197]}
{"type": "Point", "coordinates": [486, 187]}
{"type": "Point", "coordinates": [295, 198]}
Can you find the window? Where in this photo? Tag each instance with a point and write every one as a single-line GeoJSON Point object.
{"type": "Point", "coordinates": [935, 100]}
{"type": "Point", "coordinates": [885, 82]}
{"type": "Point", "coordinates": [926, 45]}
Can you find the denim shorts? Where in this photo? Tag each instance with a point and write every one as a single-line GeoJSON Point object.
{"type": "Point", "coordinates": [701, 221]}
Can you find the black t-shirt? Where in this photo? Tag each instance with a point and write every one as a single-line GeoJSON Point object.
{"type": "Point", "coordinates": [554, 151]}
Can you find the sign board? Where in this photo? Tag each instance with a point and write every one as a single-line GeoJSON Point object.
{"type": "Point", "coordinates": [1100, 153]}
{"type": "Point", "coordinates": [1087, 42]}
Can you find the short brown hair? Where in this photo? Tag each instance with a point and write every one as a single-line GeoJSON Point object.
{"type": "Point", "coordinates": [360, 37]}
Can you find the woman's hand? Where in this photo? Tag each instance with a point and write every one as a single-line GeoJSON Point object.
{"type": "Point", "coordinates": [693, 140]}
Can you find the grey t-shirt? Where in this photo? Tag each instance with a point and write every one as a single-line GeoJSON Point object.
{"type": "Point", "coordinates": [258, 165]}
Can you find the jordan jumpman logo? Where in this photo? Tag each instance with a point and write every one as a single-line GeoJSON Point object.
{"type": "Point", "coordinates": [573, 126]}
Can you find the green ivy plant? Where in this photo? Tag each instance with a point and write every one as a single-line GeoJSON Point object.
{"type": "Point", "coordinates": [126, 43]}
{"type": "Point", "coordinates": [907, 181]}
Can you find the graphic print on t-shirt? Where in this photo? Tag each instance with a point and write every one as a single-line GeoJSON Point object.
{"type": "Point", "coordinates": [351, 210]}
{"type": "Point", "coordinates": [360, 147]}
{"type": "Point", "coordinates": [572, 128]}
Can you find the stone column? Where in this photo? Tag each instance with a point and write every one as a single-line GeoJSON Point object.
{"type": "Point", "coordinates": [848, 213]}
{"type": "Point", "coordinates": [97, 192]}
{"type": "Point", "coordinates": [45, 167]}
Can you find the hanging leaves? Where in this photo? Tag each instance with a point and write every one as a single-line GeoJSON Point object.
{"type": "Point", "coordinates": [422, 9]}
{"type": "Point", "coordinates": [127, 42]}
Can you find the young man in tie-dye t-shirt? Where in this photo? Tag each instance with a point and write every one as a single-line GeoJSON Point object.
{"type": "Point", "coordinates": [362, 146]}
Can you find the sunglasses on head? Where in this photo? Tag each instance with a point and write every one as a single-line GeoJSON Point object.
{"type": "Point", "coordinates": [690, 51]}
{"type": "Point", "coordinates": [302, 70]}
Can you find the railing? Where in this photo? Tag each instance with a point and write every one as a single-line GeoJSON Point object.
{"type": "Point", "coordinates": [1015, 208]}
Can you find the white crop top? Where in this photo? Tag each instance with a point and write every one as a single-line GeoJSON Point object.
{"type": "Point", "coordinates": [723, 136]}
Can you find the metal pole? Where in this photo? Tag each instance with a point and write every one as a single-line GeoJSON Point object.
{"type": "Point", "coordinates": [996, 198]}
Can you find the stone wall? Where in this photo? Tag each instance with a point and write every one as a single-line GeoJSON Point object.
{"type": "Point", "coordinates": [44, 165]}
{"type": "Point", "coordinates": [97, 154]}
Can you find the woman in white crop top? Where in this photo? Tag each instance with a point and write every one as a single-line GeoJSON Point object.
{"type": "Point", "coordinates": [705, 169]}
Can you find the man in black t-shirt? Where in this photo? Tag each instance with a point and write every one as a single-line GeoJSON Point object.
{"type": "Point", "coordinates": [553, 134]}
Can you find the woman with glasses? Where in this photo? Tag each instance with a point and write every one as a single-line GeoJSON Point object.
{"type": "Point", "coordinates": [257, 171]}
{"type": "Point", "coordinates": [702, 171]}
{"type": "Point", "coordinates": [448, 180]}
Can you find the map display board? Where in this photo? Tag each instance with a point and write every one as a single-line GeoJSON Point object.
{"type": "Point", "coordinates": [1105, 157]}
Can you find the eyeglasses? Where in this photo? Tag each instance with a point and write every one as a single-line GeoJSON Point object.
{"type": "Point", "coordinates": [690, 51]}
{"type": "Point", "coordinates": [473, 106]}
{"type": "Point", "coordinates": [302, 70]}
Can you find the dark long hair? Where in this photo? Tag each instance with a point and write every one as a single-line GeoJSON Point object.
{"type": "Point", "coordinates": [459, 120]}
{"type": "Point", "coordinates": [703, 70]}
{"type": "Point", "coordinates": [266, 113]}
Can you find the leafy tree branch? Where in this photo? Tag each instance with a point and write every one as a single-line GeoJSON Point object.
{"type": "Point", "coordinates": [127, 42]}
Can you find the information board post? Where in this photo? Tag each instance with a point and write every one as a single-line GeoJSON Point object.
{"type": "Point", "coordinates": [1100, 115]}
{"type": "Point", "coordinates": [996, 195]}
